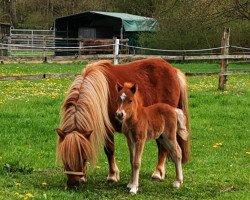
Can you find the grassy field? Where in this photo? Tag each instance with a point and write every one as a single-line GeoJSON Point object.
{"type": "Point", "coordinates": [76, 67]}
{"type": "Point", "coordinates": [40, 68]}
{"type": "Point", "coordinates": [29, 114]}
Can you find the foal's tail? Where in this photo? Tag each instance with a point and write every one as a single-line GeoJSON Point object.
{"type": "Point", "coordinates": [183, 105]}
{"type": "Point", "coordinates": [181, 122]}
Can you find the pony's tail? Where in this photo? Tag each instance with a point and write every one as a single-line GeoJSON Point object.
{"type": "Point", "coordinates": [183, 105]}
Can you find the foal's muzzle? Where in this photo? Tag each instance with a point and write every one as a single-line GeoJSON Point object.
{"type": "Point", "coordinates": [119, 116]}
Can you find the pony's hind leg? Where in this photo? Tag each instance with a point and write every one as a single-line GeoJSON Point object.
{"type": "Point", "coordinates": [159, 173]}
{"type": "Point", "coordinates": [175, 153]}
{"type": "Point", "coordinates": [114, 172]}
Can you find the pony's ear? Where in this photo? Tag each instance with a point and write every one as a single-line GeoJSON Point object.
{"type": "Point", "coordinates": [118, 87]}
{"type": "Point", "coordinates": [134, 88]}
{"type": "Point", "coordinates": [60, 133]}
{"type": "Point", "coordinates": [87, 134]}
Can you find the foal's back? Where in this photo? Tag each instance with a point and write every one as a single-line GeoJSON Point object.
{"type": "Point", "coordinates": [158, 118]}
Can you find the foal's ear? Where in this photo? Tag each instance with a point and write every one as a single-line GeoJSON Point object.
{"type": "Point", "coordinates": [118, 87]}
{"type": "Point", "coordinates": [87, 134]}
{"type": "Point", "coordinates": [60, 133]}
{"type": "Point", "coordinates": [133, 88]}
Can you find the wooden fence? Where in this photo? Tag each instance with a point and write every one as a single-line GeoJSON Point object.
{"type": "Point", "coordinates": [46, 44]}
{"type": "Point", "coordinates": [25, 42]}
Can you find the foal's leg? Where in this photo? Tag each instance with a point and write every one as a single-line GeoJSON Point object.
{"type": "Point", "coordinates": [175, 152]}
{"type": "Point", "coordinates": [136, 164]}
{"type": "Point", "coordinates": [159, 173]}
{"type": "Point", "coordinates": [131, 146]}
{"type": "Point", "coordinates": [114, 173]}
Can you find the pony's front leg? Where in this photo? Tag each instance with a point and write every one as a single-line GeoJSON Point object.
{"type": "Point", "coordinates": [114, 172]}
{"type": "Point", "coordinates": [138, 149]}
{"type": "Point", "coordinates": [159, 173]}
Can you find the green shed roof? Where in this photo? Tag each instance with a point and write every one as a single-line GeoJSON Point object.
{"type": "Point", "coordinates": [129, 22]}
{"type": "Point", "coordinates": [132, 22]}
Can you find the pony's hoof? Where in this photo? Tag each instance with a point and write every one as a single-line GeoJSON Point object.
{"type": "Point", "coordinates": [129, 186]}
{"type": "Point", "coordinates": [114, 178]}
{"type": "Point", "coordinates": [177, 184]}
{"type": "Point", "coordinates": [158, 176]}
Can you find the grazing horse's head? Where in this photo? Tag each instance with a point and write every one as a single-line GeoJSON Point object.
{"type": "Point", "coordinates": [84, 123]}
{"type": "Point", "coordinates": [127, 100]}
{"type": "Point", "coordinates": [74, 149]}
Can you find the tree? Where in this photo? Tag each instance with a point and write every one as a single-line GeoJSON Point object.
{"type": "Point", "coordinates": [9, 11]}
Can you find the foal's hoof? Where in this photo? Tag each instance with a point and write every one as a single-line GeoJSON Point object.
{"type": "Point", "coordinates": [133, 190]}
{"type": "Point", "coordinates": [129, 186]}
{"type": "Point", "coordinates": [177, 184]}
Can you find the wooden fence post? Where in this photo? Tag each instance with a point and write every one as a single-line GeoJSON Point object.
{"type": "Point", "coordinates": [45, 59]}
{"type": "Point", "coordinates": [224, 62]}
{"type": "Point", "coordinates": [9, 45]}
{"type": "Point", "coordinates": [116, 51]}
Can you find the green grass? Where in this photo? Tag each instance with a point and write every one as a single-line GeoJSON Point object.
{"type": "Point", "coordinates": [30, 53]}
{"type": "Point", "coordinates": [76, 67]}
{"type": "Point", "coordinates": [14, 69]}
{"type": "Point", "coordinates": [29, 114]}
{"type": "Point", "coordinates": [210, 66]}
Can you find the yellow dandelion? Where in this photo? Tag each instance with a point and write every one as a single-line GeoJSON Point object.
{"type": "Point", "coordinates": [29, 195]}
{"type": "Point", "coordinates": [216, 145]}
{"type": "Point", "coordinates": [44, 183]}
{"type": "Point", "coordinates": [98, 167]}
{"type": "Point", "coordinates": [17, 193]}
{"type": "Point", "coordinates": [248, 152]}
{"type": "Point", "coordinates": [18, 184]}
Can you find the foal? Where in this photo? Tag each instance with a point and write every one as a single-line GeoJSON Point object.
{"type": "Point", "coordinates": [159, 121]}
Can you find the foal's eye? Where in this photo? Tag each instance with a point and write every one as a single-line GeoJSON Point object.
{"type": "Point", "coordinates": [130, 101]}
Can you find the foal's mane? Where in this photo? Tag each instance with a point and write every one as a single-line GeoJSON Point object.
{"type": "Point", "coordinates": [85, 109]}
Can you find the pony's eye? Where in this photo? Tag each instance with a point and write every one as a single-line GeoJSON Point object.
{"type": "Point", "coordinates": [130, 101]}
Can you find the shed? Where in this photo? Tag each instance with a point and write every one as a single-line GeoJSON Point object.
{"type": "Point", "coordinates": [101, 25]}
{"type": "Point", "coordinates": [4, 33]}
{"type": "Point", "coordinates": [4, 30]}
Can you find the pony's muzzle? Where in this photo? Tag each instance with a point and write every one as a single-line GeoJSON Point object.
{"type": "Point", "coordinates": [83, 180]}
{"type": "Point", "coordinates": [74, 184]}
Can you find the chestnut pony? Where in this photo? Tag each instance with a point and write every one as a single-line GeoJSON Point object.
{"type": "Point", "coordinates": [159, 121]}
{"type": "Point", "coordinates": [88, 112]}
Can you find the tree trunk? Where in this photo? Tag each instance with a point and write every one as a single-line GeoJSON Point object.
{"type": "Point", "coordinates": [12, 12]}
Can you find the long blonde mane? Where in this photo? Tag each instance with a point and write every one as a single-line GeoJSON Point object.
{"type": "Point", "coordinates": [85, 109]}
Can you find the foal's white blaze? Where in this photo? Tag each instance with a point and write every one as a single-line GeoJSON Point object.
{"type": "Point", "coordinates": [123, 96]}
{"type": "Point", "coordinates": [120, 109]}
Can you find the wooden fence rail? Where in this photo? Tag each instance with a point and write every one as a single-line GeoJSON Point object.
{"type": "Point", "coordinates": [46, 45]}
